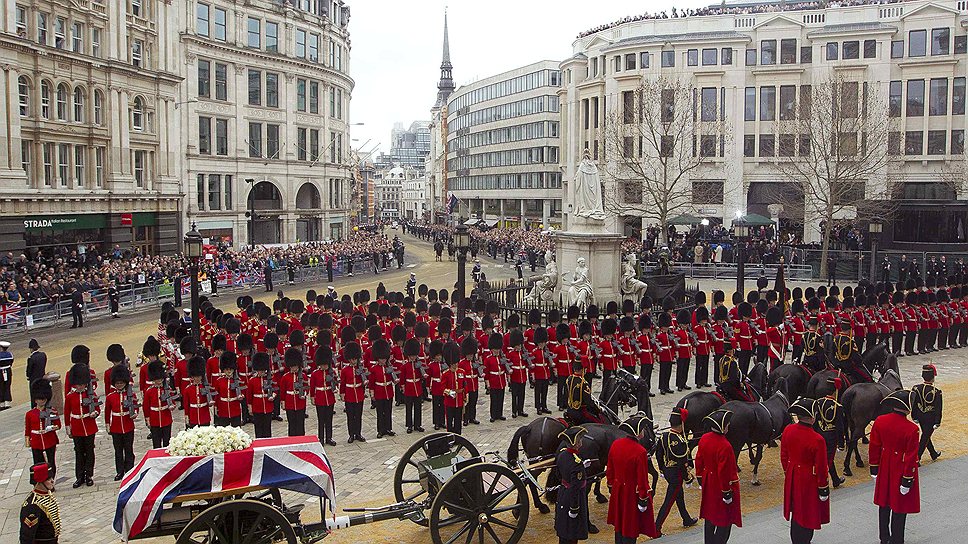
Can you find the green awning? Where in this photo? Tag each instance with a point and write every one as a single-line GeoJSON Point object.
{"type": "Point", "coordinates": [65, 222]}
{"type": "Point", "coordinates": [757, 220]}
{"type": "Point", "coordinates": [685, 219]}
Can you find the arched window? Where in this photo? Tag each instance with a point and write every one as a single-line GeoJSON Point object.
{"type": "Point", "coordinates": [45, 99]}
{"type": "Point", "coordinates": [78, 105]}
{"type": "Point", "coordinates": [98, 108]}
{"type": "Point", "coordinates": [138, 114]}
{"type": "Point", "coordinates": [23, 89]}
{"type": "Point", "coordinates": [62, 102]}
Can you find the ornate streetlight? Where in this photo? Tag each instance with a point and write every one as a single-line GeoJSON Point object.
{"type": "Point", "coordinates": [193, 250]}
{"type": "Point", "coordinates": [741, 233]}
{"type": "Point", "coordinates": [875, 228]}
{"type": "Point", "coordinates": [462, 241]}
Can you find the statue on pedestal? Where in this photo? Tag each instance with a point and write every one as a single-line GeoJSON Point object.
{"type": "Point", "coordinates": [543, 289]}
{"type": "Point", "coordinates": [581, 293]}
{"type": "Point", "coordinates": [632, 288]}
{"type": "Point", "coordinates": [588, 190]}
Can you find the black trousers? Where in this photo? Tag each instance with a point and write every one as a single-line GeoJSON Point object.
{"type": "Point", "coordinates": [645, 371]}
{"type": "Point", "coordinates": [562, 398]}
{"type": "Point", "coordinates": [800, 534]}
{"type": "Point", "coordinates": [384, 411]}
{"type": "Point", "coordinates": [713, 534]}
{"type": "Point", "coordinates": [797, 353]}
{"type": "Point", "coordinates": [414, 411]}
{"type": "Point", "coordinates": [354, 419]}
{"type": "Point", "coordinates": [682, 373]}
{"type": "Point", "coordinates": [497, 403]}
{"type": "Point", "coordinates": [160, 436]}
{"type": "Point", "coordinates": [761, 352]}
{"type": "Point", "coordinates": [953, 335]}
{"type": "Point", "coordinates": [702, 370]}
{"type": "Point", "coordinates": [297, 422]}
{"type": "Point", "coordinates": [78, 316]}
{"type": "Point", "coordinates": [619, 539]}
{"type": "Point", "coordinates": [454, 417]}
{"type": "Point", "coordinates": [830, 440]}
{"type": "Point", "coordinates": [927, 429]}
{"type": "Point", "coordinates": [470, 408]}
{"type": "Point", "coordinates": [262, 424]}
{"type": "Point", "coordinates": [45, 456]}
{"type": "Point", "coordinates": [517, 398]}
{"type": "Point", "coordinates": [891, 526]}
{"type": "Point", "coordinates": [744, 361]}
{"type": "Point", "coordinates": [674, 495]}
{"type": "Point", "coordinates": [324, 422]}
{"type": "Point", "coordinates": [909, 342]}
{"type": "Point", "coordinates": [84, 457]}
{"type": "Point", "coordinates": [897, 342]}
{"type": "Point", "coordinates": [859, 340]}
{"type": "Point", "coordinates": [235, 421]}
{"type": "Point", "coordinates": [665, 374]}
{"type": "Point", "coordinates": [943, 338]}
{"type": "Point", "coordinates": [437, 411]}
{"type": "Point", "coordinates": [5, 393]}
{"type": "Point", "coordinates": [123, 451]}
{"type": "Point", "coordinates": [541, 395]}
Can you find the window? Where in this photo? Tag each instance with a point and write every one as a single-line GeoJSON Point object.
{"type": "Point", "coordinates": [313, 97]}
{"type": "Point", "coordinates": [851, 50]}
{"type": "Point", "coordinates": [138, 114]}
{"type": "Point", "coordinates": [961, 45]}
{"type": "Point", "coordinates": [749, 145]}
{"type": "Point", "coordinates": [201, 19]}
{"type": "Point", "coordinates": [300, 95]}
{"type": "Point", "coordinates": [833, 50]}
{"type": "Point", "coordinates": [668, 59]}
{"type": "Point", "coordinates": [957, 142]}
{"type": "Point", "coordinates": [60, 33]}
{"type": "Point", "coordinates": [914, 142]}
{"type": "Point", "coordinates": [99, 167]}
{"type": "Point", "coordinates": [79, 153]}
{"type": "Point", "coordinates": [848, 99]}
{"type": "Point", "coordinates": [77, 38]}
{"type": "Point", "coordinates": [214, 192]}
{"type": "Point", "coordinates": [63, 163]}
{"type": "Point", "coordinates": [313, 53]}
{"type": "Point", "coordinates": [42, 28]}
{"type": "Point", "coordinates": [272, 141]}
{"type": "Point", "coordinates": [767, 52]}
{"type": "Point", "coordinates": [692, 57]}
{"type": "Point", "coordinates": [767, 103]}
{"type": "Point", "coordinates": [666, 145]}
{"type": "Point", "coordinates": [137, 47]}
{"type": "Point", "coordinates": [227, 184]}
{"type": "Point", "coordinates": [205, 135]}
{"type": "Point", "coordinates": [915, 98]}
{"type": "Point", "coordinates": [707, 192]}
{"type": "Point", "coordinates": [26, 147]}
{"type": "Point", "coordinates": [893, 143]}
{"type": "Point", "coordinates": [788, 102]}
{"type": "Point", "coordinates": [750, 108]}
{"type": "Point", "coordinates": [301, 144]}
{"type": "Point", "coordinates": [300, 43]}
{"type": "Point", "coordinates": [48, 150]}
{"type": "Point", "coordinates": [870, 49]}
{"type": "Point", "coordinates": [895, 100]}
{"type": "Point", "coordinates": [45, 100]}
{"type": "Point", "coordinates": [78, 105]}
{"type": "Point", "coordinates": [204, 78]}
{"type": "Point", "coordinates": [96, 42]}
{"type": "Point", "coordinates": [940, 45]}
{"type": "Point", "coordinates": [937, 142]}
{"type": "Point", "coordinates": [938, 97]}
{"type": "Point", "coordinates": [62, 102]}
{"type": "Point", "coordinates": [668, 105]}
{"type": "Point", "coordinates": [958, 96]}
{"type": "Point", "coordinates": [200, 191]}
{"type": "Point", "coordinates": [272, 90]}
{"type": "Point", "coordinates": [767, 145]}
{"type": "Point", "coordinates": [644, 60]}
{"type": "Point", "coordinates": [897, 49]}
{"type": "Point", "coordinates": [709, 57]}
{"type": "Point", "coordinates": [23, 95]}
{"type": "Point", "coordinates": [917, 43]}
{"type": "Point", "coordinates": [727, 56]}
{"type": "Point", "coordinates": [335, 147]}
{"type": "Point", "coordinates": [218, 24]}
{"type": "Point", "coordinates": [806, 54]}
{"type": "Point", "coordinates": [806, 100]}
{"type": "Point", "coordinates": [136, 8]}
{"type": "Point", "coordinates": [272, 37]}
{"type": "Point", "coordinates": [628, 147]}
{"type": "Point", "coordinates": [255, 87]}
{"type": "Point", "coordinates": [751, 57]}
{"type": "Point", "coordinates": [707, 146]}
{"type": "Point", "coordinates": [336, 105]}
{"type": "Point", "coordinates": [630, 61]}
{"type": "Point", "coordinates": [628, 107]}
{"type": "Point", "coordinates": [255, 140]}
{"type": "Point", "coordinates": [709, 103]}
{"type": "Point", "coordinates": [254, 39]}
{"type": "Point", "coordinates": [787, 145]}
{"type": "Point", "coordinates": [98, 108]}
{"type": "Point", "coordinates": [221, 81]}
{"type": "Point", "coordinates": [788, 51]}
{"type": "Point", "coordinates": [847, 144]}
{"type": "Point", "coordinates": [618, 63]}
{"type": "Point", "coordinates": [314, 145]}
{"type": "Point", "coordinates": [335, 56]}
{"type": "Point", "coordinates": [21, 21]}
{"type": "Point", "coordinates": [222, 137]}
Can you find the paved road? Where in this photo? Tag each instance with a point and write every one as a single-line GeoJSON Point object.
{"type": "Point", "coordinates": [854, 516]}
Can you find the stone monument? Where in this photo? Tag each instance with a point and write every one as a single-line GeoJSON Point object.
{"type": "Point", "coordinates": [590, 257]}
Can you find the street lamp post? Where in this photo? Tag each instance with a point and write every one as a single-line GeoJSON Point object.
{"type": "Point", "coordinates": [193, 250]}
{"type": "Point", "coordinates": [741, 231]}
{"type": "Point", "coordinates": [875, 228]}
{"type": "Point", "coordinates": [462, 241]}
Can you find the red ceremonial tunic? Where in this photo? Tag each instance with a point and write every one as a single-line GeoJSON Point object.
{"type": "Point", "coordinates": [716, 465]}
{"type": "Point", "coordinates": [80, 421]}
{"type": "Point", "coordinates": [563, 358]}
{"type": "Point", "coordinates": [627, 473]}
{"type": "Point", "coordinates": [291, 399]}
{"type": "Point", "coordinates": [323, 384]}
{"type": "Point", "coordinates": [198, 411]}
{"type": "Point", "coordinates": [471, 377]}
{"type": "Point", "coordinates": [351, 385]}
{"type": "Point", "coordinates": [519, 369]}
{"type": "Point", "coordinates": [116, 418]}
{"type": "Point", "coordinates": [744, 334]}
{"type": "Point", "coordinates": [410, 380]}
{"type": "Point", "coordinates": [380, 383]}
{"type": "Point", "coordinates": [37, 436]}
{"type": "Point", "coordinates": [894, 450]}
{"type": "Point", "coordinates": [803, 454]}
{"type": "Point", "coordinates": [684, 351]}
{"type": "Point", "coordinates": [646, 349]}
{"type": "Point", "coordinates": [494, 372]}
{"type": "Point", "coordinates": [609, 357]}
{"type": "Point", "coordinates": [157, 413]}
{"type": "Point", "coordinates": [454, 381]}
{"type": "Point", "coordinates": [542, 366]}
{"type": "Point", "coordinates": [228, 402]}
{"type": "Point", "coordinates": [259, 401]}
{"type": "Point", "coordinates": [664, 347]}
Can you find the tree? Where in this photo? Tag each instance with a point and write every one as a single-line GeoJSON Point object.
{"type": "Point", "coordinates": [657, 142]}
{"type": "Point", "coordinates": [842, 149]}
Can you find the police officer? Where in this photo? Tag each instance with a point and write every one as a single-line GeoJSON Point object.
{"type": "Point", "coordinates": [829, 422]}
{"type": "Point", "coordinates": [674, 461]}
{"type": "Point", "coordinates": [77, 307]}
{"type": "Point", "coordinates": [114, 299]}
{"type": "Point", "coordinates": [927, 410]}
{"type": "Point", "coordinates": [6, 375]}
{"type": "Point", "coordinates": [40, 513]}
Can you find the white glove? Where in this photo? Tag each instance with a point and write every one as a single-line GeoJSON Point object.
{"type": "Point", "coordinates": [905, 490]}
{"type": "Point", "coordinates": [642, 508]}
{"type": "Point", "coordinates": [573, 513]}
{"type": "Point", "coordinates": [824, 499]}
{"type": "Point", "coordinates": [586, 463]}
{"type": "Point", "coordinates": [728, 501]}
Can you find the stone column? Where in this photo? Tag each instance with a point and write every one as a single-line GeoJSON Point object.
{"type": "Point", "coordinates": [545, 212]}
{"type": "Point", "coordinates": [521, 224]}
{"type": "Point", "coordinates": [501, 217]}
{"type": "Point", "coordinates": [10, 135]}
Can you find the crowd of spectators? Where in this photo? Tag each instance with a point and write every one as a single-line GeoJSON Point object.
{"type": "Point", "coordinates": [766, 7]}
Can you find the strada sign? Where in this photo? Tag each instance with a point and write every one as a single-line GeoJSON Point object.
{"type": "Point", "coordinates": [66, 222]}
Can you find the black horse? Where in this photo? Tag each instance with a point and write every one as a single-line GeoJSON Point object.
{"type": "Point", "coordinates": [873, 359]}
{"type": "Point", "coordinates": [796, 376]}
{"type": "Point", "coordinates": [755, 424]}
{"type": "Point", "coordinates": [862, 403]}
{"type": "Point", "coordinates": [700, 404]}
{"type": "Point", "coordinates": [625, 389]}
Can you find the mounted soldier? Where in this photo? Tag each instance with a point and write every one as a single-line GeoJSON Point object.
{"type": "Point", "coordinates": [845, 356]}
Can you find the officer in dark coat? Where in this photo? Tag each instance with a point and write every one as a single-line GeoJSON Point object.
{"type": "Point", "coordinates": [846, 357]}
{"type": "Point", "coordinates": [581, 407]}
{"type": "Point", "coordinates": [114, 299]}
{"type": "Point", "coordinates": [571, 508]}
{"type": "Point", "coordinates": [829, 422]}
{"type": "Point", "coordinates": [40, 513]}
{"type": "Point", "coordinates": [77, 308]}
{"type": "Point", "coordinates": [927, 410]}
{"type": "Point", "coordinates": [674, 461]}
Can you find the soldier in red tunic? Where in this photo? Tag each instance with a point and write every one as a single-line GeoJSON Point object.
{"type": "Point", "coordinates": [120, 411]}
{"type": "Point", "coordinates": [198, 396]}
{"type": "Point", "coordinates": [454, 393]}
{"type": "Point", "coordinates": [519, 359]}
{"type": "Point", "coordinates": [228, 387]}
{"type": "Point", "coordinates": [806, 491]}
{"type": "Point", "coordinates": [324, 385]}
{"type": "Point", "coordinates": [381, 382]}
{"type": "Point", "coordinates": [894, 464]}
{"type": "Point", "coordinates": [472, 370]}
{"type": "Point", "coordinates": [412, 379]}
{"type": "Point", "coordinates": [294, 386]}
{"type": "Point", "coordinates": [81, 408]}
{"type": "Point", "coordinates": [261, 395]}
{"type": "Point", "coordinates": [40, 426]}
{"type": "Point", "coordinates": [496, 370]}
{"type": "Point", "coordinates": [716, 470]}
{"type": "Point", "coordinates": [565, 352]}
{"type": "Point", "coordinates": [542, 361]}
{"type": "Point", "coordinates": [627, 474]}
{"type": "Point", "coordinates": [775, 338]}
{"type": "Point", "coordinates": [352, 386]}
{"type": "Point", "coordinates": [158, 401]}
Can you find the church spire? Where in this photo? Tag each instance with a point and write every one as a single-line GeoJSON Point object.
{"type": "Point", "coordinates": [446, 84]}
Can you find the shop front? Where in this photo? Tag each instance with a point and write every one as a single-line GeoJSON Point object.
{"type": "Point", "coordinates": [74, 232]}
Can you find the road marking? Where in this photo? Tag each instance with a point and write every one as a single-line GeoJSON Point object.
{"type": "Point", "coordinates": [5, 481]}
{"type": "Point", "coordinates": [17, 473]}
{"type": "Point", "coordinates": [411, 266]}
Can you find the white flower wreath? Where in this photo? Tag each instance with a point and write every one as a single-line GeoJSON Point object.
{"type": "Point", "coordinates": [201, 441]}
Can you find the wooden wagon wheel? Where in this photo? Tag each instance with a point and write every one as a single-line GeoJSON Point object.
{"type": "Point", "coordinates": [485, 502]}
{"type": "Point", "coordinates": [240, 521]}
{"type": "Point", "coordinates": [406, 478]}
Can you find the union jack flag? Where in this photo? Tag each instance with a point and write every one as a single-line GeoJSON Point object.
{"type": "Point", "coordinates": [9, 313]}
{"type": "Point", "coordinates": [296, 463]}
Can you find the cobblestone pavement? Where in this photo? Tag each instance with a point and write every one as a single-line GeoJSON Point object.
{"type": "Point", "coordinates": [363, 471]}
